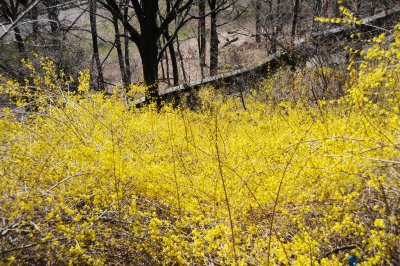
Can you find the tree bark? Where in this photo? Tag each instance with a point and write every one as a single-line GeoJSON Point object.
{"type": "Point", "coordinates": [148, 54]}
{"type": "Point", "coordinates": [358, 7]}
{"type": "Point", "coordinates": [35, 24]}
{"type": "Point", "coordinates": [213, 39]}
{"type": "Point", "coordinates": [95, 48]}
{"type": "Point", "coordinates": [181, 59]}
{"type": "Point", "coordinates": [126, 46]}
{"type": "Point", "coordinates": [258, 11]}
{"type": "Point", "coordinates": [148, 50]}
{"type": "Point", "coordinates": [118, 46]}
{"type": "Point", "coordinates": [273, 20]}
{"type": "Point", "coordinates": [52, 14]}
{"type": "Point", "coordinates": [296, 10]}
{"type": "Point", "coordinates": [145, 33]}
{"type": "Point", "coordinates": [171, 50]}
{"type": "Point", "coordinates": [165, 73]}
{"type": "Point", "coordinates": [174, 62]}
{"type": "Point", "coordinates": [20, 43]}
{"type": "Point", "coordinates": [201, 32]}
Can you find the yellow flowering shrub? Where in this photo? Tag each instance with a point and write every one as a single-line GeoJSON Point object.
{"type": "Point", "coordinates": [90, 181]}
{"type": "Point", "coordinates": [43, 85]}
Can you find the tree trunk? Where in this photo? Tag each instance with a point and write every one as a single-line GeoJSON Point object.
{"type": "Point", "coordinates": [201, 41]}
{"type": "Point", "coordinates": [318, 7]}
{"type": "Point", "coordinates": [118, 46]}
{"type": "Point", "coordinates": [148, 54]}
{"type": "Point", "coordinates": [165, 74]}
{"type": "Point", "coordinates": [95, 56]}
{"type": "Point", "coordinates": [126, 44]}
{"type": "Point", "coordinates": [181, 59]}
{"type": "Point", "coordinates": [317, 12]}
{"type": "Point", "coordinates": [296, 10]}
{"type": "Point", "coordinates": [54, 24]}
{"type": "Point", "coordinates": [174, 62]}
{"type": "Point", "coordinates": [213, 39]}
{"type": "Point", "coordinates": [258, 20]}
{"type": "Point", "coordinates": [358, 7]}
{"type": "Point", "coordinates": [145, 32]}
{"type": "Point", "coordinates": [20, 43]}
{"type": "Point", "coordinates": [148, 49]}
{"type": "Point", "coordinates": [35, 24]}
{"type": "Point", "coordinates": [52, 14]}
{"type": "Point", "coordinates": [273, 20]}
{"type": "Point", "coordinates": [372, 7]}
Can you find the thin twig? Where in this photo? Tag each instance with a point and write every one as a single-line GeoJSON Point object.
{"type": "Point", "coordinates": [30, 245]}
{"type": "Point", "coordinates": [66, 179]}
{"type": "Point", "coordinates": [336, 250]}
{"type": "Point", "coordinates": [20, 16]}
{"type": "Point", "coordinates": [225, 191]}
{"type": "Point", "coordinates": [278, 194]}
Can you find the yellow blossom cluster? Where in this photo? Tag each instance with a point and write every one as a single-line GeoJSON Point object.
{"type": "Point", "coordinates": [348, 17]}
{"type": "Point", "coordinates": [89, 181]}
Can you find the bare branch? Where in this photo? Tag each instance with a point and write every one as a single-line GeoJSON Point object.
{"type": "Point", "coordinates": [20, 16]}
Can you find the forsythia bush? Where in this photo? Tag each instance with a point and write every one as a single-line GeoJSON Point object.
{"type": "Point", "coordinates": [89, 181]}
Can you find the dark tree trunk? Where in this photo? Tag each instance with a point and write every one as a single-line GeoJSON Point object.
{"type": "Point", "coordinates": [317, 13]}
{"type": "Point", "coordinates": [201, 41]}
{"type": "Point", "coordinates": [258, 14]}
{"type": "Point", "coordinates": [148, 49]}
{"type": "Point", "coordinates": [358, 7]}
{"type": "Point", "coordinates": [20, 43]}
{"type": "Point", "coordinates": [296, 10]}
{"type": "Point", "coordinates": [213, 39]}
{"type": "Point", "coordinates": [171, 49]}
{"type": "Point", "coordinates": [118, 46]}
{"type": "Point", "coordinates": [372, 7]}
{"type": "Point", "coordinates": [35, 24]}
{"type": "Point", "coordinates": [54, 22]}
{"type": "Point", "coordinates": [178, 47]}
{"type": "Point", "coordinates": [145, 33]}
{"type": "Point", "coordinates": [165, 73]}
{"type": "Point", "coordinates": [95, 56]}
{"type": "Point", "coordinates": [148, 54]}
{"type": "Point", "coordinates": [126, 46]}
{"type": "Point", "coordinates": [52, 14]}
{"type": "Point", "coordinates": [318, 7]}
{"type": "Point", "coordinates": [273, 20]}
{"type": "Point", "coordinates": [174, 62]}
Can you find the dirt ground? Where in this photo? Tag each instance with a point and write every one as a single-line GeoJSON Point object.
{"type": "Point", "coordinates": [237, 49]}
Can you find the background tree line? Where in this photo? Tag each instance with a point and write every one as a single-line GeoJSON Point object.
{"type": "Point", "coordinates": [73, 34]}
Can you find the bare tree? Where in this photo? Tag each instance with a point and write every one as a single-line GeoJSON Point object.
{"type": "Point", "coordinates": [258, 16]}
{"type": "Point", "coordinates": [217, 7]}
{"type": "Point", "coordinates": [145, 31]}
{"type": "Point", "coordinates": [126, 43]}
{"type": "Point", "coordinates": [52, 13]}
{"type": "Point", "coordinates": [296, 11]}
{"type": "Point", "coordinates": [118, 47]}
{"type": "Point", "coordinates": [14, 11]}
{"type": "Point", "coordinates": [33, 23]}
{"type": "Point", "coordinates": [275, 11]}
{"type": "Point", "coordinates": [95, 47]}
{"type": "Point", "coordinates": [213, 38]}
{"type": "Point", "coordinates": [201, 35]}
